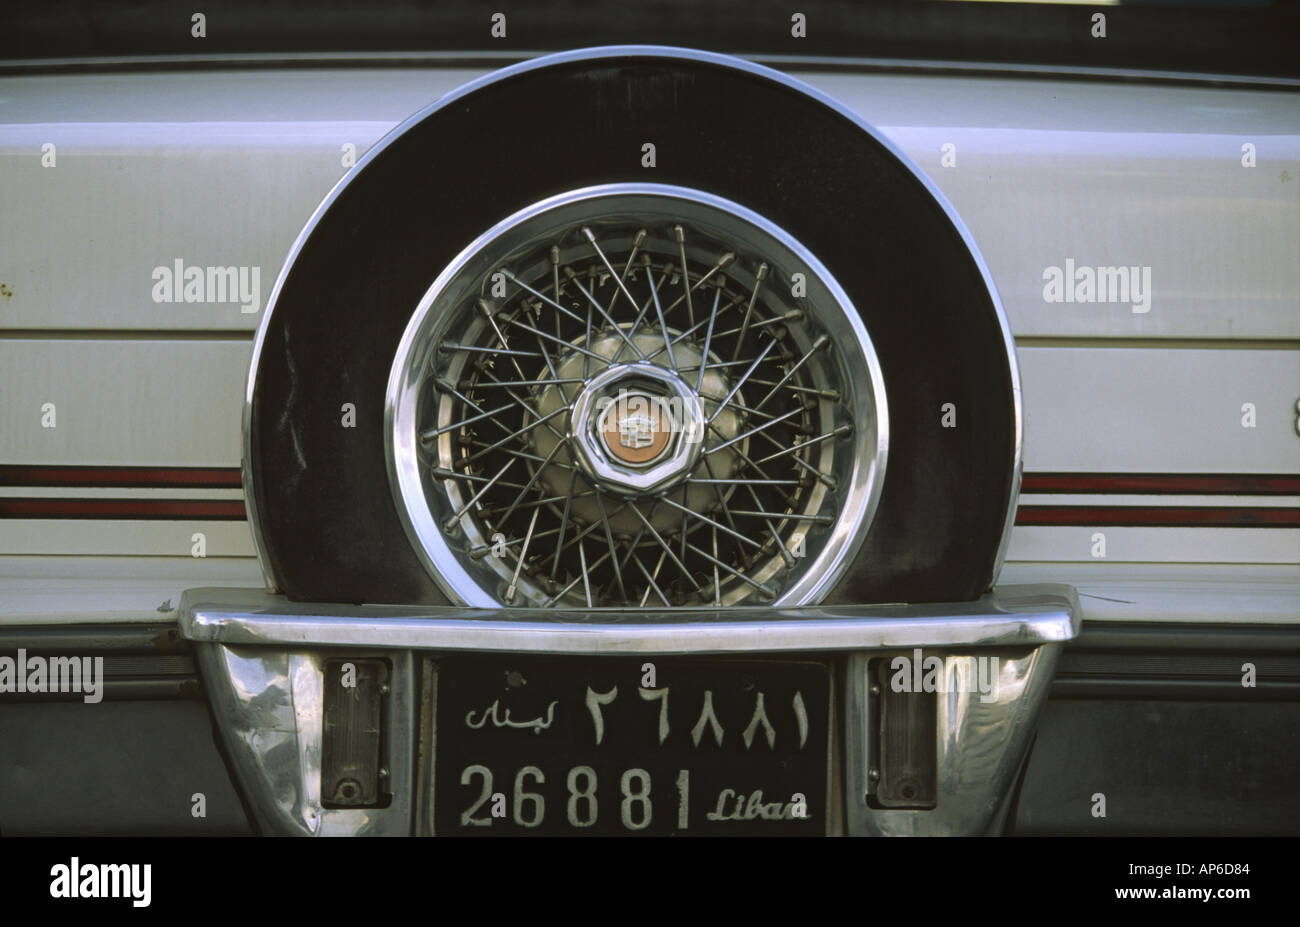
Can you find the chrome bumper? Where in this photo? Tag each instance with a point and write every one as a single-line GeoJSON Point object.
{"type": "Point", "coordinates": [262, 660]}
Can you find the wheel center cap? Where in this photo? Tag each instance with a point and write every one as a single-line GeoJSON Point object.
{"type": "Point", "coordinates": [637, 427]}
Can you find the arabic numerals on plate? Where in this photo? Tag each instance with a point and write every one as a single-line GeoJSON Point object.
{"type": "Point", "coordinates": [636, 804]}
{"type": "Point", "coordinates": [584, 795]}
{"type": "Point", "coordinates": [467, 818]}
{"type": "Point", "coordinates": [582, 808]}
{"type": "Point", "coordinates": [531, 798]}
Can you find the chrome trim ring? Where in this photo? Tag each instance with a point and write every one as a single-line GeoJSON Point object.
{"type": "Point", "coordinates": [495, 403]}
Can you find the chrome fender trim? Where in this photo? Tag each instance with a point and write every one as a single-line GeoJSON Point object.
{"type": "Point", "coordinates": [982, 745]}
{"type": "Point", "coordinates": [268, 704]}
{"type": "Point", "coordinates": [1008, 616]}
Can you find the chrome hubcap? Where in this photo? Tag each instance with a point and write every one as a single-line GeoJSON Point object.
{"type": "Point", "coordinates": [635, 396]}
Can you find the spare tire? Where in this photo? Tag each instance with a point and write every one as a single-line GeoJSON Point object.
{"type": "Point", "coordinates": [633, 327]}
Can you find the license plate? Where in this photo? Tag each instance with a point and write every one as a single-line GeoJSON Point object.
{"type": "Point", "coordinates": [560, 746]}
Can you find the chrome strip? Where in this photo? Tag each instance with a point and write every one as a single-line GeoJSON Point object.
{"type": "Point", "coordinates": [1010, 616]}
{"type": "Point", "coordinates": [497, 57]}
{"type": "Point", "coordinates": [621, 51]}
{"type": "Point", "coordinates": [1017, 472]}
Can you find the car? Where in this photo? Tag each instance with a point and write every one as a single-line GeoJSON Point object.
{"type": "Point", "coordinates": [646, 439]}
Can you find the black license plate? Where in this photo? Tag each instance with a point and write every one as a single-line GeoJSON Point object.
{"type": "Point", "coordinates": [555, 746]}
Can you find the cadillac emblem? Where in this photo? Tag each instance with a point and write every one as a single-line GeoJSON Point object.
{"type": "Point", "coordinates": [636, 427]}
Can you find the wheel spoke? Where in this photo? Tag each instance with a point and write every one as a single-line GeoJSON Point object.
{"type": "Point", "coordinates": [541, 334]}
{"type": "Point", "coordinates": [496, 384]}
{"type": "Point", "coordinates": [733, 303]}
{"type": "Point", "coordinates": [585, 531]}
{"type": "Point", "coordinates": [722, 262]}
{"type": "Point", "coordinates": [486, 311]}
{"type": "Point", "coordinates": [835, 433]}
{"type": "Point", "coordinates": [820, 343]}
{"type": "Point", "coordinates": [708, 340]}
{"type": "Point", "coordinates": [532, 480]}
{"type": "Point", "coordinates": [709, 521]}
{"type": "Point", "coordinates": [430, 434]}
{"type": "Point", "coordinates": [654, 295]}
{"type": "Point", "coordinates": [586, 573]}
{"type": "Point", "coordinates": [535, 503]}
{"type": "Point", "coordinates": [650, 582]}
{"type": "Point", "coordinates": [514, 580]}
{"type": "Point", "coordinates": [667, 550]}
{"type": "Point", "coordinates": [786, 556]}
{"type": "Point", "coordinates": [527, 407]}
{"type": "Point", "coordinates": [717, 582]}
{"type": "Point", "coordinates": [555, 282]}
{"type": "Point", "coordinates": [513, 435]}
{"type": "Point", "coordinates": [546, 354]}
{"type": "Point", "coordinates": [455, 518]}
{"type": "Point", "coordinates": [680, 235]}
{"type": "Point", "coordinates": [793, 315]}
{"type": "Point", "coordinates": [542, 296]}
{"type": "Point", "coordinates": [717, 491]}
{"type": "Point", "coordinates": [825, 478]}
{"type": "Point", "coordinates": [442, 473]}
{"type": "Point", "coordinates": [513, 452]}
{"type": "Point", "coordinates": [630, 555]}
{"type": "Point", "coordinates": [792, 516]}
{"type": "Point", "coordinates": [766, 590]}
{"type": "Point", "coordinates": [749, 310]}
{"type": "Point", "coordinates": [595, 304]}
{"type": "Point", "coordinates": [831, 394]}
{"type": "Point", "coordinates": [753, 431]}
{"type": "Point", "coordinates": [637, 242]}
{"type": "Point", "coordinates": [564, 520]}
{"type": "Point", "coordinates": [741, 382]}
{"type": "Point", "coordinates": [609, 539]}
{"type": "Point", "coordinates": [452, 347]}
{"type": "Point", "coordinates": [618, 281]}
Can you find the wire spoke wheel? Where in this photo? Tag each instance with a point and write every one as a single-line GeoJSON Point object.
{"type": "Point", "coordinates": [635, 396]}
